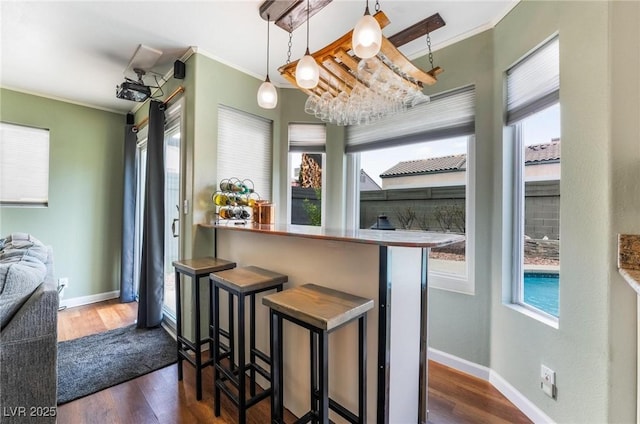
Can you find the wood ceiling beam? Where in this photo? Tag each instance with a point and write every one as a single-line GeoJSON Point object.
{"type": "Point", "coordinates": [417, 30]}
{"type": "Point", "coordinates": [290, 14]}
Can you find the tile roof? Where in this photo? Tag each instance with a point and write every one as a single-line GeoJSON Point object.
{"type": "Point", "coordinates": [545, 152]}
{"type": "Point", "coordinates": [535, 154]}
{"type": "Point", "coordinates": [423, 166]}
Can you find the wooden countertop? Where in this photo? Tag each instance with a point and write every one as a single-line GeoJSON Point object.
{"type": "Point", "coordinates": [378, 237]}
{"type": "Point", "coordinates": [629, 259]}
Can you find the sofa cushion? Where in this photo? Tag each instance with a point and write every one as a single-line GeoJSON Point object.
{"type": "Point", "coordinates": [22, 270]}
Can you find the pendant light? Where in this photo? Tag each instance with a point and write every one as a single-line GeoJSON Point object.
{"type": "Point", "coordinates": [307, 70]}
{"type": "Point", "coordinates": [366, 39]}
{"type": "Point", "coordinates": [267, 94]}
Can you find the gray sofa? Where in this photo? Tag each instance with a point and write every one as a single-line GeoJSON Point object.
{"type": "Point", "coordinates": [28, 331]}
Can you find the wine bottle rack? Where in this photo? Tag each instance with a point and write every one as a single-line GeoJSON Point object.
{"type": "Point", "coordinates": [234, 200]}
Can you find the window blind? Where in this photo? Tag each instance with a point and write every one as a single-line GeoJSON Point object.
{"type": "Point", "coordinates": [533, 83]}
{"type": "Point", "coordinates": [245, 148]}
{"type": "Point", "coordinates": [307, 137]}
{"type": "Point", "coordinates": [24, 165]}
{"type": "Point", "coordinates": [449, 114]}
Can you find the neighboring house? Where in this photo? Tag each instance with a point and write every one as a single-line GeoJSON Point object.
{"type": "Point", "coordinates": [431, 172]}
{"type": "Point", "coordinates": [542, 163]}
{"type": "Point", "coordinates": [367, 183]}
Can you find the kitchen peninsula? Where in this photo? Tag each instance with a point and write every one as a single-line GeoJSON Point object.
{"type": "Point", "coordinates": [390, 267]}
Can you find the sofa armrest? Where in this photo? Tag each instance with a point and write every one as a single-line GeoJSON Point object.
{"type": "Point", "coordinates": [38, 316]}
{"type": "Point", "coordinates": [29, 359]}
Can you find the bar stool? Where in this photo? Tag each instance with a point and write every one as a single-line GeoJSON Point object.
{"type": "Point", "coordinates": [320, 310]}
{"type": "Point", "coordinates": [196, 269]}
{"type": "Point", "coordinates": [240, 282]}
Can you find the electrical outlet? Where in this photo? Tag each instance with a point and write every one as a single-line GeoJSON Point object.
{"type": "Point", "coordinates": [548, 381]}
{"type": "Point", "coordinates": [62, 284]}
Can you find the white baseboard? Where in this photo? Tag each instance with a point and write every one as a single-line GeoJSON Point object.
{"type": "Point", "coordinates": [459, 364]}
{"type": "Point", "coordinates": [527, 407]}
{"type": "Point", "coordinates": [169, 330]}
{"type": "Point", "coordinates": [85, 300]}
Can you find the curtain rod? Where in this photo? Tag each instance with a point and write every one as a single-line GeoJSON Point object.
{"type": "Point", "coordinates": [171, 96]}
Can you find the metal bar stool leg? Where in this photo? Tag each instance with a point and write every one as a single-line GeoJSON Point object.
{"type": "Point", "coordinates": [242, 395]}
{"type": "Point", "coordinates": [178, 324]}
{"type": "Point", "coordinates": [275, 329]}
{"type": "Point", "coordinates": [281, 367]}
{"type": "Point", "coordinates": [198, 351]}
{"type": "Point", "coordinates": [323, 377]}
{"type": "Point", "coordinates": [232, 332]}
{"type": "Point", "coordinates": [211, 326]}
{"type": "Point", "coordinates": [362, 369]}
{"type": "Point", "coordinates": [216, 349]}
{"type": "Point", "coordinates": [252, 344]}
{"type": "Point", "coordinates": [313, 368]}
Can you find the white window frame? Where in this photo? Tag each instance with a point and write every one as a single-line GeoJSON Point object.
{"type": "Point", "coordinates": [517, 279]}
{"type": "Point", "coordinates": [24, 165]}
{"type": "Point", "coordinates": [311, 138]}
{"type": "Point", "coordinates": [457, 283]}
{"type": "Point", "coordinates": [532, 85]}
{"type": "Point", "coordinates": [323, 198]}
{"type": "Point", "coordinates": [141, 157]}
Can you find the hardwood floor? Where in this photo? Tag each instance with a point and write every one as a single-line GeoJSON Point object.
{"type": "Point", "coordinates": [158, 397]}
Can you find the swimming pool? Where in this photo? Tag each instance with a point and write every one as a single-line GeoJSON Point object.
{"type": "Point", "coordinates": [541, 291]}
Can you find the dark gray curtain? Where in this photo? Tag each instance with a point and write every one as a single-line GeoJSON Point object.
{"type": "Point", "coordinates": [127, 291]}
{"type": "Point", "coordinates": [151, 290]}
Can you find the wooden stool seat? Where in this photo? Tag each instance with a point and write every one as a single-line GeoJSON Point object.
{"type": "Point", "coordinates": [318, 306]}
{"type": "Point", "coordinates": [248, 279]}
{"type": "Point", "coordinates": [320, 310]}
{"type": "Point", "coordinates": [244, 282]}
{"type": "Point", "coordinates": [202, 266]}
{"type": "Point", "coordinates": [196, 268]}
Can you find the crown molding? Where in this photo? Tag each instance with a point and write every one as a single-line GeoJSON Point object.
{"type": "Point", "coordinates": [475, 31]}
{"type": "Point", "coordinates": [62, 99]}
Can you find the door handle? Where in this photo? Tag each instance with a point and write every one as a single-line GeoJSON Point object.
{"type": "Point", "coordinates": [173, 227]}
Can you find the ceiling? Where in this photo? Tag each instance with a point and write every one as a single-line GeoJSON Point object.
{"type": "Point", "coordinates": [78, 50]}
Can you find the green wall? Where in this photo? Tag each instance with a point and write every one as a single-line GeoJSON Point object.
{"type": "Point", "coordinates": [83, 220]}
{"type": "Point", "coordinates": [217, 84]}
{"type": "Point", "coordinates": [460, 323]}
{"type": "Point", "coordinates": [593, 364]}
{"type": "Point", "coordinates": [594, 349]}
{"type": "Point", "coordinates": [624, 174]}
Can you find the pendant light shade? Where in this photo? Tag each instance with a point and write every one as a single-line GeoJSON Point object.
{"type": "Point", "coordinates": [267, 94]}
{"type": "Point", "coordinates": [367, 36]}
{"type": "Point", "coordinates": [307, 70]}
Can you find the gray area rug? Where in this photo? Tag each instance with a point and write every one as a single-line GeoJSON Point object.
{"type": "Point", "coordinates": [93, 363]}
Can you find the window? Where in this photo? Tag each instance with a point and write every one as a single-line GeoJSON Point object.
{"type": "Point", "coordinates": [306, 162]}
{"type": "Point", "coordinates": [172, 186]}
{"type": "Point", "coordinates": [24, 165]}
{"type": "Point", "coordinates": [172, 208]}
{"type": "Point", "coordinates": [245, 148]}
{"type": "Point", "coordinates": [533, 111]}
{"type": "Point", "coordinates": [417, 170]}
